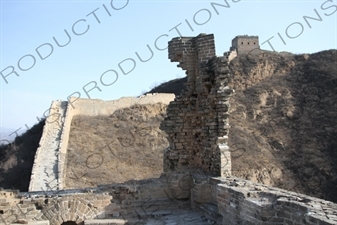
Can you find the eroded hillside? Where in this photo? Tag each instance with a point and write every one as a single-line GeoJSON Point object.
{"type": "Point", "coordinates": [284, 121]}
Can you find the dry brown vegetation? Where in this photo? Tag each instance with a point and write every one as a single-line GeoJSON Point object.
{"type": "Point", "coordinates": [127, 145]}
{"type": "Point", "coordinates": [284, 120]}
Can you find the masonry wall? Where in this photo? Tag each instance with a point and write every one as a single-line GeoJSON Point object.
{"type": "Point", "coordinates": [49, 168]}
{"type": "Point", "coordinates": [197, 120]}
{"type": "Point", "coordinates": [95, 107]}
{"type": "Point", "coordinates": [224, 200]}
{"type": "Point", "coordinates": [130, 202]}
{"type": "Point", "coordinates": [238, 201]}
{"type": "Point", "coordinates": [45, 172]}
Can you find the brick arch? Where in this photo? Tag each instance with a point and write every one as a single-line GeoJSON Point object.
{"type": "Point", "coordinates": [75, 210]}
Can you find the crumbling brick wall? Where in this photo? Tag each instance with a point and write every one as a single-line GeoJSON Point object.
{"type": "Point", "coordinates": [243, 202]}
{"type": "Point", "coordinates": [132, 202]}
{"type": "Point", "coordinates": [197, 121]}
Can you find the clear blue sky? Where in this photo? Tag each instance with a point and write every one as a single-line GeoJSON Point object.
{"type": "Point", "coordinates": [130, 27]}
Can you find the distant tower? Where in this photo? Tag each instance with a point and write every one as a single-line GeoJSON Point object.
{"type": "Point", "coordinates": [243, 44]}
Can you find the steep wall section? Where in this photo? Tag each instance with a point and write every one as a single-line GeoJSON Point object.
{"type": "Point", "coordinates": [94, 107]}
{"type": "Point", "coordinates": [197, 121]}
{"type": "Point", "coordinates": [49, 170]}
{"type": "Point", "coordinates": [125, 145]}
{"type": "Point", "coordinates": [45, 171]}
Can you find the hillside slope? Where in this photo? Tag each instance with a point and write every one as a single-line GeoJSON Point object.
{"type": "Point", "coordinates": [17, 158]}
{"type": "Point", "coordinates": [283, 120]}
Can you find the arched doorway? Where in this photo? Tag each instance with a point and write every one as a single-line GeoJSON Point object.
{"type": "Point", "coordinates": [69, 223]}
{"type": "Point", "coordinates": [69, 212]}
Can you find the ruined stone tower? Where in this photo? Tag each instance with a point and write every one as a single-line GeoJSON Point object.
{"type": "Point", "coordinates": [197, 121]}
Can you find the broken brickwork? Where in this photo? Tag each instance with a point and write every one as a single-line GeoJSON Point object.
{"type": "Point", "coordinates": [127, 203]}
{"type": "Point", "coordinates": [197, 120]}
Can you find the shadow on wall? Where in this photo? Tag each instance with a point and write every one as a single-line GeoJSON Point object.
{"type": "Point", "coordinates": [17, 158]}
